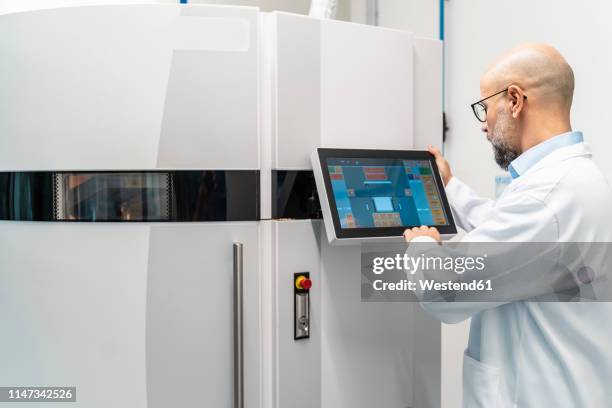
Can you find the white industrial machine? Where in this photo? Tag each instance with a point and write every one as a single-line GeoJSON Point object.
{"type": "Point", "coordinates": [161, 241]}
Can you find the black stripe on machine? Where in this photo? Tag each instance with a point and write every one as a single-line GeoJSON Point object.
{"type": "Point", "coordinates": [130, 196]}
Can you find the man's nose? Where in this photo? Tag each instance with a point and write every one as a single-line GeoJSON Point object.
{"type": "Point", "coordinates": [483, 127]}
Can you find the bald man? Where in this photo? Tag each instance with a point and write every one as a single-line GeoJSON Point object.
{"type": "Point", "coordinates": [525, 353]}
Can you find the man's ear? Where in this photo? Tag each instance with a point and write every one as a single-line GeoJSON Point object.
{"type": "Point", "coordinates": [516, 98]}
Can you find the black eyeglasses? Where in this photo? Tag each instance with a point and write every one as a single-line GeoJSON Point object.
{"type": "Point", "coordinates": [480, 109]}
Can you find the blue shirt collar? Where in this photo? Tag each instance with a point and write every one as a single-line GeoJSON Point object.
{"type": "Point", "coordinates": [531, 156]}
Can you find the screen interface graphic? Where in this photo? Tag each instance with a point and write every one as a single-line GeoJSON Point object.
{"type": "Point", "coordinates": [375, 193]}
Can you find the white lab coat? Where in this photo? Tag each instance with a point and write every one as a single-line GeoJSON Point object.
{"type": "Point", "coordinates": [537, 354]}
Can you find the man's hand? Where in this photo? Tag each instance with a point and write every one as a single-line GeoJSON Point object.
{"type": "Point", "coordinates": [443, 166]}
{"type": "Point", "coordinates": [422, 231]}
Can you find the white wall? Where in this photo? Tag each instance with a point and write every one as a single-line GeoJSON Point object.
{"type": "Point", "coordinates": [418, 16]}
{"type": "Point", "coordinates": [478, 30]}
{"type": "Point", "coordinates": [292, 6]}
{"type": "Point", "coordinates": [421, 17]}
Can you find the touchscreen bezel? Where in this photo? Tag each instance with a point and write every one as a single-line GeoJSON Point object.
{"type": "Point", "coordinates": [341, 233]}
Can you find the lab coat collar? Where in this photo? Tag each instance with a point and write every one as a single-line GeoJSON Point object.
{"type": "Point", "coordinates": [535, 154]}
{"type": "Point", "coordinates": [576, 150]}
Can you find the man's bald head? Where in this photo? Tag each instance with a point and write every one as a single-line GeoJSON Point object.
{"type": "Point", "coordinates": [539, 69]}
{"type": "Point", "coordinates": [539, 87]}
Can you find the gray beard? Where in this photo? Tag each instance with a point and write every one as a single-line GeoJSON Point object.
{"type": "Point", "coordinates": [503, 151]}
{"type": "Point", "coordinates": [504, 154]}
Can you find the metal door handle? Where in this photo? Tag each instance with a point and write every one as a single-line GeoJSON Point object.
{"type": "Point", "coordinates": [238, 326]}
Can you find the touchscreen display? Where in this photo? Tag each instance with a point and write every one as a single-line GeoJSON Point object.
{"type": "Point", "coordinates": [385, 192]}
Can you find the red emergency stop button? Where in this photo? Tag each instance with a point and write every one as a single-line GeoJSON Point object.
{"type": "Point", "coordinates": [303, 282]}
